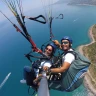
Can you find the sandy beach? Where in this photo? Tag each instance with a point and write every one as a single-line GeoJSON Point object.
{"type": "Point", "coordinates": [88, 79]}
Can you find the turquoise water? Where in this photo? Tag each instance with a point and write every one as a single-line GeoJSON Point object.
{"type": "Point", "coordinates": [76, 23]}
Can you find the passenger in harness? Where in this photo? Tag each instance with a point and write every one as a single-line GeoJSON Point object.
{"type": "Point", "coordinates": [72, 67]}
{"type": "Point", "coordinates": [31, 73]}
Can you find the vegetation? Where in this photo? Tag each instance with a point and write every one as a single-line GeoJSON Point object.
{"type": "Point", "coordinates": [90, 52]}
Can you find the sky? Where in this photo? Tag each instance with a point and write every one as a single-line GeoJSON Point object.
{"type": "Point", "coordinates": [27, 5]}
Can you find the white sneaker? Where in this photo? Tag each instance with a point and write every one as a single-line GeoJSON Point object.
{"type": "Point", "coordinates": [23, 81]}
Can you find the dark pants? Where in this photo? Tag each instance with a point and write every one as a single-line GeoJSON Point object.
{"type": "Point", "coordinates": [26, 70]}
{"type": "Point", "coordinates": [29, 75]}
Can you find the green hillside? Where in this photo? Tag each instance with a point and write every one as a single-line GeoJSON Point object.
{"type": "Point", "coordinates": [90, 52]}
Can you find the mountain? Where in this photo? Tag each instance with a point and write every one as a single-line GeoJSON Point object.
{"type": "Point", "coordinates": [63, 1]}
{"type": "Point", "coordinates": [90, 2]}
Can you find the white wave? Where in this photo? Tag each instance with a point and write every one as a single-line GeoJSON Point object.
{"type": "Point", "coordinates": [4, 81]}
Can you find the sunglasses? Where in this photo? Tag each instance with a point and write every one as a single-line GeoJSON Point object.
{"type": "Point", "coordinates": [64, 42]}
{"type": "Point", "coordinates": [48, 49]}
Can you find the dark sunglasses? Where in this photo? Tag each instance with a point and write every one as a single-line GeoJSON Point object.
{"type": "Point", "coordinates": [64, 42]}
{"type": "Point", "coordinates": [48, 49]}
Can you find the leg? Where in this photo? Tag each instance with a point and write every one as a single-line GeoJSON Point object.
{"type": "Point", "coordinates": [29, 75]}
{"type": "Point", "coordinates": [26, 70]}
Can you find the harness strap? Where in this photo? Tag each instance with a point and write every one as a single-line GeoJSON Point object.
{"type": "Point", "coordinates": [36, 19]}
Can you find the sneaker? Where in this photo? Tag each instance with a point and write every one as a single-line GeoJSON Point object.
{"type": "Point", "coordinates": [23, 81]}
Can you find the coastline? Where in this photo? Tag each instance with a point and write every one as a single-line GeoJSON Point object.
{"type": "Point", "coordinates": [83, 4]}
{"type": "Point", "coordinates": [92, 40]}
{"type": "Point", "coordinates": [88, 79]}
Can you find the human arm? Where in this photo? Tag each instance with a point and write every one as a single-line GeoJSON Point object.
{"type": "Point", "coordinates": [40, 75]}
{"type": "Point", "coordinates": [56, 42]}
{"type": "Point", "coordinates": [61, 69]}
{"type": "Point", "coordinates": [67, 60]}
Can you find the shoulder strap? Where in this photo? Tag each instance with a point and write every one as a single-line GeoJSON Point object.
{"type": "Point", "coordinates": [79, 56]}
{"type": "Point", "coordinates": [72, 52]}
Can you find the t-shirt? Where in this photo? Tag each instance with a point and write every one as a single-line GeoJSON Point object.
{"type": "Point", "coordinates": [69, 57]}
{"type": "Point", "coordinates": [46, 63]}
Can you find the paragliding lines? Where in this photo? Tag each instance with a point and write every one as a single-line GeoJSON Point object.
{"type": "Point", "coordinates": [47, 6]}
{"type": "Point", "coordinates": [17, 29]}
{"type": "Point", "coordinates": [12, 5]}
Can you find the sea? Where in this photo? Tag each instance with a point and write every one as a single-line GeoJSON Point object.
{"type": "Point", "coordinates": [76, 23]}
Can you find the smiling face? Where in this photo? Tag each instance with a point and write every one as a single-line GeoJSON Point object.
{"type": "Point", "coordinates": [49, 50]}
{"type": "Point", "coordinates": [65, 45]}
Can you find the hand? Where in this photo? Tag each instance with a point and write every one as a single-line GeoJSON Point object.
{"type": "Point", "coordinates": [35, 80]}
{"type": "Point", "coordinates": [56, 42]}
{"type": "Point", "coordinates": [45, 68]}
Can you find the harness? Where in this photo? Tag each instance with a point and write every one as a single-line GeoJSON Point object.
{"type": "Point", "coordinates": [70, 79]}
